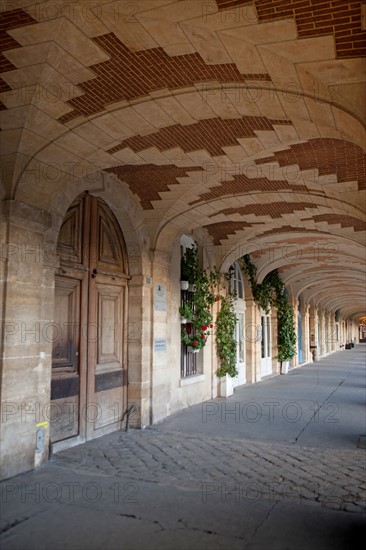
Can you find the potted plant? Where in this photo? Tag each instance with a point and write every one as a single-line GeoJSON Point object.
{"type": "Point", "coordinates": [194, 341]}
{"type": "Point", "coordinates": [198, 310]}
{"type": "Point", "coordinates": [226, 345]}
{"type": "Point", "coordinates": [186, 313]}
{"type": "Point", "coordinates": [189, 267]}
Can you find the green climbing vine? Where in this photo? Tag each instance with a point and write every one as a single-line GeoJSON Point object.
{"type": "Point", "coordinates": [271, 292]}
{"type": "Point", "coordinates": [197, 306]}
{"type": "Point", "coordinates": [225, 337]}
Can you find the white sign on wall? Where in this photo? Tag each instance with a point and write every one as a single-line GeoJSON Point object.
{"type": "Point", "coordinates": [160, 297]}
{"type": "Point", "coordinates": [159, 344]}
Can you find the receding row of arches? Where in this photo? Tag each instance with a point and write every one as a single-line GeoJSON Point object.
{"type": "Point", "coordinates": [91, 346]}
{"type": "Point", "coordinates": [111, 302]}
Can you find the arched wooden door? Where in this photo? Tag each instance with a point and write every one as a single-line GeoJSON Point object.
{"type": "Point", "coordinates": [89, 362]}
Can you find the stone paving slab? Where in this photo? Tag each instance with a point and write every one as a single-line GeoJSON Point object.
{"type": "Point", "coordinates": [61, 509]}
{"type": "Point", "coordinates": [335, 479]}
{"type": "Point", "coordinates": [188, 484]}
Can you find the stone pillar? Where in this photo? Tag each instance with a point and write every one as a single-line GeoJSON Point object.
{"type": "Point", "coordinates": [343, 333]}
{"type": "Point", "coordinates": [330, 332]}
{"type": "Point", "coordinates": [314, 333]}
{"type": "Point", "coordinates": [307, 355]}
{"type": "Point", "coordinates": [139, 348]}
{"type": "Point", "coordinates": [276, 365]}
{"type": "Point", "coordinates": [160, 376]}
{"type": "Point", "coordinates": [252, 334]}
{"type": "Point", "coordinates": [27, 280]}
{"type": "Point", "coordinates": [320, 332]}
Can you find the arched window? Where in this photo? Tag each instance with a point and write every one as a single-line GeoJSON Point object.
{"type": "Point", "coordinates": [190, 364]}
{"type": "Point", "coordinates": [236, 281]}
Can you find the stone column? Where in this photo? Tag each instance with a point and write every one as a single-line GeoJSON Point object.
{"type": "Point", "coordinates": [27, 280]}
{"type": "Point", "coordinates": [320, 332]}
{"type": "Point", "coordinates": [139, 348]}
{"type": "Point", "coordinates": [252, 334]}
{"type": "Point", "coordinates": [276, 365]}
{"type": "Point", "coordinates": [160, 364]}
{"type": "Point", "coordinates": [314, 333]}
{"type": "Point", "coordinates": [330, 333]}
{"type": "Point", "coordinates": [307, 355]}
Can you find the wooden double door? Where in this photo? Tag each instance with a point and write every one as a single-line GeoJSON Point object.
{"type": "Point", "coordinates": [89, 358]}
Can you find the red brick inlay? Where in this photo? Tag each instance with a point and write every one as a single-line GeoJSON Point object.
{"type": "Point", "coordinates": [129, 75]}
{"type": "Point", "coordinates": [274, 209]}
{"type": "Point", "coordinates": [148, 180]}
{"type": "Point", "coordinates": [341, 18]}
{"type": "Point", "coordinates": [329, 156]}
{"type": "Point", "coordinates": [211, 134]}
{"type": "Point", "coordinates": [343, 220]}
{"type": "Point", "coordinates": [222, 230]}
{"type": "Point", "coordinates": [288, 229]}
{"type": "Point", "coordinates": [242, 184]}
{"type": "Point", "coordinates": [223, 4]}
{"type": "Point", "coordinates": [11, 20]}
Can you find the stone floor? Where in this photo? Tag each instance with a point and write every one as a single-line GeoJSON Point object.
{"type": "Point", "coordinates": [278, 465]}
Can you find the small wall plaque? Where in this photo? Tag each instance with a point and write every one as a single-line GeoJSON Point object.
{"type": "Point", "coordinates": [159, 344]}
{"type": "Point", "coordinates": [160, 297]}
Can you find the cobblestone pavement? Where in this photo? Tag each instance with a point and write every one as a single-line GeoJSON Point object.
{"type": "Point", "coordinates": [228, 468]}
{"type": "Point", "coordinates": [214, 482]}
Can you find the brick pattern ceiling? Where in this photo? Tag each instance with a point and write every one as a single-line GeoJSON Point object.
{"type": "Point", "coordinates": [344, 221]}
{"type": "Point", "coordinates": [211, 134]}
{"type": "Point", "coordinates": [129, 75]}
{"type": "Point", "coordinates": [274, 209]}
{"type": "Point", "coordinates": [221, 230]}
{"type": "Point", "coordinates": [243, 184]}
{"type": "Point", "coordinates": [328, 156]}
{"type": "Point", "coordinates": [274, 149]}
{"type": "Point", "coordinates": [11, 20]}
{"type": "Point", "coordinates": [148, 181]}
{"type": "Point", "coordinates": [342, 19]}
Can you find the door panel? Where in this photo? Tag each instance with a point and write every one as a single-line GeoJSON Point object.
{"type": "Point", "coordinates": [66, 320]}
{"type": "Point", "coordinates": [107, 312]}
{"type": "Point", "coordinates": [89, 372]}
{"type": "Point", "coordinates": [70, 240]}
{"type": "Point", "coordinates": [65, 383]}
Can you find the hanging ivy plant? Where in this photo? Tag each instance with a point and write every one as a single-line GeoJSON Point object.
{"type": "Point", "coordinates": [189, 264]}
{"type": "Point", "coordinates": [286, 335]}
{"type": "Point", "coordinates": [225, 337]}
{"type": "Point", "coordinates": [271, 292]}
{"type": "Point", "coordinates": [199, 302]}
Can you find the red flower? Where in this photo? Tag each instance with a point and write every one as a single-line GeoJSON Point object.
{"type": "Point", "coordinates": [195, 343]}
{"type": "Point", "coordinates": [204, 327]}
{"type": "Point", "coordinates": [202, 336]}
{"type": "Point", "coordinates": [211, 325]}
{"type": "Point", "coordinates": [217, 298]}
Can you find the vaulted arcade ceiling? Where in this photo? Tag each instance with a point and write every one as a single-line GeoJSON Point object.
{"type": "Point", "coordinates": [243, 118]}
